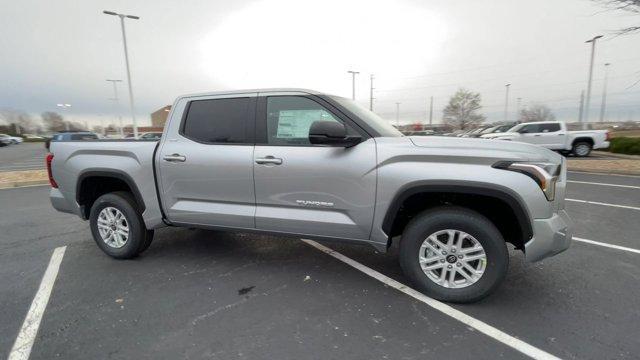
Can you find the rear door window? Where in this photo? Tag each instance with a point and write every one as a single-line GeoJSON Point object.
{"type": "Point", "coordinates": [218, 121]}
{"type": "Point", "coordinates": [552, 127]}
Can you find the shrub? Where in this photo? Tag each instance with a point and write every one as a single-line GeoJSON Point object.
{"type": "Point", "coordinates": [625, 145]}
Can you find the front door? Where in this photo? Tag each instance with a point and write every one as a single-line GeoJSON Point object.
{"type": "Point", "coordinates": [311, 189]}
{"type": "Point", "coordinates": [206, 164]}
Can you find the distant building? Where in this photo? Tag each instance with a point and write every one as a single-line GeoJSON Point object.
{"type": "Point", "coordinates": [159, 117]}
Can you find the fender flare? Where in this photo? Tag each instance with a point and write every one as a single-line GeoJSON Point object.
{"type": "Point", "coordinates": [510, 197]}
{"type": "Point", "coordinates": [111, 173]}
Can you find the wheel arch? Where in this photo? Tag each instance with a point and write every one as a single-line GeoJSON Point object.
{"type": "Point", "coordinates": [112, 179]}
{"type": "Point", "coordinates": [462, 194]}
{"type": "Point", "coordinates": [582, 139]}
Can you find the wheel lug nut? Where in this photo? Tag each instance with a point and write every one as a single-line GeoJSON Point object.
{"type": "Point", "coordinates": [459, 256]}
{"type": "Point", "coordinates": [442, 260]}
{"type": "Point", "coordinates": [449, 266]}
{"type": "Point", "coordinates": [453, 250]}
{"type": "Point", "coordinates": [444, 253]}
{"type": "Point", "coordinates": [459, 264]}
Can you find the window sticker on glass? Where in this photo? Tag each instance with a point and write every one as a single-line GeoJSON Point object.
{"type": "Point", "coordinates": [296, 123]}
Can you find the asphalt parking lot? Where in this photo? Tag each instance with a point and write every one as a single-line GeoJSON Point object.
{"type": "Point", "coordinates": [203, 294]}
{"type": "Point", "coordinates": [25, 156]}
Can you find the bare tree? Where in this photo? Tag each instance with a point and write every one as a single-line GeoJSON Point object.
{"type": "Point", "coordinates": [461, 112]}
{"type": "Point", "coordinates": [631, 6]}
{"type": "Point", "coordinates": [53, 121]}
{"type": "Point", "coordinates": [536, 112]}
{"type": "Point", "coordinates": [19, 120]}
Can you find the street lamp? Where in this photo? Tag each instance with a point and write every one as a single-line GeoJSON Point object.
{"type": "Point", "coordinates": [593, 50]}
{"type": "Point", "coordinates": [65, 106]}
{"type": "Point", "coordinates": [604, 92]}
{"type": "Point", "coordinates": [353, 83]}
{"type": "Point", "coordinates": [506, 103]}
{"type": "Point", "coordinates": [115, 102]}
{"type": "Point", "coordinates": [398, 115]}
{"type": "Point", "coordinates": [126, 59]}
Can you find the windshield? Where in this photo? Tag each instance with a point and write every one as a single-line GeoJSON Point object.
{"type": "Point", "coordinates": [376, 122]}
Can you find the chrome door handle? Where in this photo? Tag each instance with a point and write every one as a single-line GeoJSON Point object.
{"type": "Point", "coordinates": [269, 160]}
{"type": "Point", "coordinates": [174, 158]}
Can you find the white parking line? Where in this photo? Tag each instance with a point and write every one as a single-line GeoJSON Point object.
{"type": "Point", "coordinates": [604, 184]}
{"type": "Point", "coordinates": [483, 327]}
{"type": "Point", "coordinates": [603, 204]}
{"type": "Point", "coordinates": [27, 335]}
{"type": "Point", "coordinates": [617, 247]}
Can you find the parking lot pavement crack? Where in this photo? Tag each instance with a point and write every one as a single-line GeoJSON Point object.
{"type": "Point", "coordinates": [246, 298]}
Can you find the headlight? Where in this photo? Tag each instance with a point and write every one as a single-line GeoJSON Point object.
{"type": "Point", "coordinates": [544, 174]}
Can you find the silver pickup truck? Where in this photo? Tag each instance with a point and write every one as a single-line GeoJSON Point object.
{"type": "Point", "coordinates": [305, 164]}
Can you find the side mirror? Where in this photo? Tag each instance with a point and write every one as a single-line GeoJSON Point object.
{"type": "Point", "coordinates": [331, 133]}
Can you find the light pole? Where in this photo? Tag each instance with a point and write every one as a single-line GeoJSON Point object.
{"type": "Point", "coordinates": [431, 111]}
{"type": "Point", "coordinates": [604, 92]}
{"type": "Point", "coordinates": [588, 100]}
{"type": "Point", "coordinates": [506, 102]}
{"type": "Point", "coordinates": [126, 59]}
{"type": "Point", "coordinates": [518, 100]}
{"type": "Point", "coordinates": [115, 102]}
{"type": "Point", "coordinates": [64, 107]}
{"type": "Point", "coordinates": [370, 93]}
{"type": "Point", "coordinates": [353, 83]}
{"type": "Point", "coordinates": [398, 115]}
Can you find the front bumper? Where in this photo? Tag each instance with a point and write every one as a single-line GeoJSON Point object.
{"type": "Point", "coordinates": [551, 236]}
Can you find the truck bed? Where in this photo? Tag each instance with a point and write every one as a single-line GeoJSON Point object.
{"type": "Point", "coordinates": [130, 160]}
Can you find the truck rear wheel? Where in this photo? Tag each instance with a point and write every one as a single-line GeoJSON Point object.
{"type": "Point", "coordinates": [581, 149]}
{"type": "Point", "coordinates": [453, 254]}
{"type": "Point", "coordinates": [117, 226]}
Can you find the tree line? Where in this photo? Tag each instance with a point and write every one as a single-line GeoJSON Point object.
{"type": "Point", "coordinates": [463, 111]}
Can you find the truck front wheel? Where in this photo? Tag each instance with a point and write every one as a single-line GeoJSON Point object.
{"type": "Point", "coordinates": [117, 226]}
{"type": "Point", "coordinates": [453, 254]}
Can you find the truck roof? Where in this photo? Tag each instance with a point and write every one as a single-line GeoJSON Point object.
{"type": "Point", "coordinates": [242, 91]}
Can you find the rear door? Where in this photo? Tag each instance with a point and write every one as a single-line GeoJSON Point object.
{"type": "Point", "coordinates": [205, 161]}
{"type": "Point", "coordinates": [311, 189]}
{"type": "Point", "coordinates": [552, 136]}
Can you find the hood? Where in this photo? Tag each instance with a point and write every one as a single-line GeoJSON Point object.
{"type": "Point", "coordinates": [479, 147]}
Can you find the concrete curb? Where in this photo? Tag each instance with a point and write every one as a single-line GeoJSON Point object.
{"type": "Point", "coordinates": [605, 172]}
{"type": "Point", "coordinates": [18, 184]}
{"type": "Point", "coordinates": [619, 156]}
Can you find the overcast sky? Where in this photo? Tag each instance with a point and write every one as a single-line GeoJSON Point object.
{"type": "Point", "coordinates": [62, 51]}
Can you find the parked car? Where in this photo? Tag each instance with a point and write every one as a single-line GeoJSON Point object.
{"type": "Point", "coordinates": [555, 136]}
{"type": "Point", "coordinates": [5, 142]}
{"type": "Point", "coordinates": [71, 136]}
{"type": "Point", "coordinates": [420, 133]}
{"type": "Point", "coordinates": [33, 137]}
{"type": "Point", "coordinates": [306, 164]}
{"type": "Point", "coordinates": [498, 129]}
{"type": "Point", "coordinates": [151, 136]}
{"type": "Point", "coordinates": [12, 139]}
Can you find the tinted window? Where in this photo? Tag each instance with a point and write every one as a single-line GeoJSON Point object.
{"type": "Point", "coordinates": [217, 120]}
{"type": "Point", "coordinates": [549, 127]}
{"type": "Point", "coordinates": [290, 117]}
{"type": "Point", "coordinates": [528, 129]}
{"type": "Point", "coordinates": [83, 137]}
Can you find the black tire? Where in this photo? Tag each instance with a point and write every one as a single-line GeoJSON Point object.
{"type": "Point", "coordinates": [455, 218]}
{"type": "Point", "coordinates": [139, 237]}
{"type": "Point", "coordinates": [581, 149]}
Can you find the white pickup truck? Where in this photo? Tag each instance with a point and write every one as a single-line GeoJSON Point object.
{"type": "Point", "coordinates": [555, 136]}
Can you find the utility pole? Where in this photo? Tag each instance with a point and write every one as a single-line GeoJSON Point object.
{"type": "Point", "coordinates": [398, 115]}
{"type": "Point", "coordinates": [603, 105]}
{"type": "Point", "coordinates": [518, 100]}
{"type": "Point", "coordinates": [506, 102]}
{"type": "Point", "coordinates": [353, 83]}
{"type": "Point", "coordinates": [588, 100]}
{"type": "Point", "coordinates": [115, 102]}
{"type": "Point", "coordinates": [431, 111]}
{"type": "Point", "coordinates": [581, 107]}
{"type": "Point", "coordinates": [126, 59]}
{"type": "Point", "coordinates": [371, 92]}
